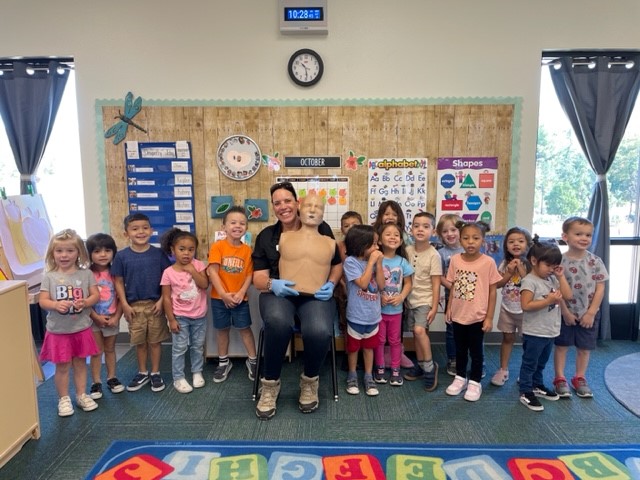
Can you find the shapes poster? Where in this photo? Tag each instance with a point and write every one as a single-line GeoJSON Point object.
{"type": "Point", "coordinates": [402, 180]}
{"type": "Point", "coordinates": [334, 190]}
{"type": "Point", "coordinates": [467, 186]}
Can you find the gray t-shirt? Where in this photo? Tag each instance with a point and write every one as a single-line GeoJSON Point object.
{"type": "Point", "coordinates": [64, 286]}
{"type": "Point", "coordinates": [546, 321]}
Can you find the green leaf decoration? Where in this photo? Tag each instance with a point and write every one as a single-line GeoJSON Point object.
{"type": "Point", "coordinates": [223, 207]}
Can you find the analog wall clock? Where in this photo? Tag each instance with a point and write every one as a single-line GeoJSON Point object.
{"type": "Point", "coordinates": [305, 67]}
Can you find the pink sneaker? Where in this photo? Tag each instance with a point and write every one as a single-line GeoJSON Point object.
{"type": "Point", "coordinates": [457, 386]}
{"type": "Point", "coordinates": [500, 377]}
{"type": "Point", "coordinates": [474, 390]}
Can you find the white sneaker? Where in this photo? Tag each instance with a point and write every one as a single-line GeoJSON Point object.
{"type": "Point", "coordinates": [457, 386]}
{"type": "Point", "coordinates": [198, 380]}
{"type": "Point", "coordinates": [65, 408]}
{"type": "Point", "coordinates": [474, 390]}
{"type": "Point", "coordinates": [86, 403]}
{"type": "Point", "coordinates": [182, 386]}
{"type": "Point", "coordinates": [500, 377]}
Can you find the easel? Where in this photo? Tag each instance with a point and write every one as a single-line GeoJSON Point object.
{"type": "Point", "coordinates": [33, 300]}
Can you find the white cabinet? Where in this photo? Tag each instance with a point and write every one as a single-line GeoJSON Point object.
{"type": "Point", "coordinates": [19, 413]}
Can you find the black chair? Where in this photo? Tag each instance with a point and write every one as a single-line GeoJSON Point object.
{"type": "Point", "coordinates": [296, 330]}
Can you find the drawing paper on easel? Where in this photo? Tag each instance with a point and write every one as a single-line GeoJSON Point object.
{"type": "Point", "coordinates": [25, 231]}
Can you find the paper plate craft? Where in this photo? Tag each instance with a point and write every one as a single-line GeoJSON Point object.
{"type": "Point", "coordinates": [239, 157]}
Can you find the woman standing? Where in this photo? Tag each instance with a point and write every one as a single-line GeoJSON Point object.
{"type": "Point", "coordinates": [279, 303]}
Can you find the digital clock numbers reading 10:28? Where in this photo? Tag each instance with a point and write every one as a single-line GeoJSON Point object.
{"type": "Point", "coordinates": [303, 14]}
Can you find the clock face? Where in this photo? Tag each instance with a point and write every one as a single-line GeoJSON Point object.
{"type": "Point", "coordinates": [305, 67]}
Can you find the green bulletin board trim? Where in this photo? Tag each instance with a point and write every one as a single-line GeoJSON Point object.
{"type": "Point", "coordinates": [331, 102]}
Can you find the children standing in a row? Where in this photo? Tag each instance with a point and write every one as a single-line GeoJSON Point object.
{"type": "Point", "coordinates": [184, 297]}
{"type": "Point", "coordinates": [473, 277]}
{"type": "Point", "coordinates": [68, 291]}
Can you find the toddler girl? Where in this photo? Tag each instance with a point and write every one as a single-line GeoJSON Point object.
{"type": "Point", "coordinates": [398, 280]}
{"type": "Point", "coordinates": [106, 313]}
{"type": "Point", "coordinates": [67, 292]}
{"type": "Point", "coordinates": [184, 298]}
{"type": "Point", "coordinates": [473, 277]}
{"type": "Point", "coordinates": [513, 268]}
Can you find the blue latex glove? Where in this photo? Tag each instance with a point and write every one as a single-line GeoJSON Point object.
{"type": "Point", "coordinates": [325, 292]}
{"type": "Point", "coordinates": [280, 288]}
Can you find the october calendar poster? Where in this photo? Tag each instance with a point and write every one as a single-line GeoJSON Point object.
{"type": "Point", "coordinates": [467, 187]}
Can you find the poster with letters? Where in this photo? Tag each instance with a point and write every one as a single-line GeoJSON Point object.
{"type": "Point", "coordinates": [467, 187]}
{"type": "Point", "coordinates": [403, 180]}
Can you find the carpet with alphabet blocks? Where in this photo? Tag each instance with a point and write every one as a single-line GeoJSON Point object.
{"type": "Point", "coordinates": [209, 460]}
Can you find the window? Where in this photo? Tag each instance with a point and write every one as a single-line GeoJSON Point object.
{"type": "Point", "coordinates": [563, 188]}
{"type": "Point", "coordinates": [59, 175]}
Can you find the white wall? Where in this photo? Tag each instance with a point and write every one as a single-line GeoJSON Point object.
{"type": "Point", "coordinates": [211, 49]}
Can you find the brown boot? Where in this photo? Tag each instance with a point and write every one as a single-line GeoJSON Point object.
{"type": "Point", "coordinates": [308, 394]}
{"type": "Point", "coordinates": [266, 407]}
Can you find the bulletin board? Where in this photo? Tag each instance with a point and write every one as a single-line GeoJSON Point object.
{"type": "Point", "coordinates": [352, 130]}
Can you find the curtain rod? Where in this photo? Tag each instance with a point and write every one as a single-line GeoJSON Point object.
{"type": "Point", "coordinates": [588, 62]}
{"type": "Point", "coordinates": [36, 64]}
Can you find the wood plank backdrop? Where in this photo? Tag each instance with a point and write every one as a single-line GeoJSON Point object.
{"type": "Point", "coordinates": [430, 131]}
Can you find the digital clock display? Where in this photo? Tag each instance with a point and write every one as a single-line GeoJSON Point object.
{"type": "Point", "coordinates": [304, 14]}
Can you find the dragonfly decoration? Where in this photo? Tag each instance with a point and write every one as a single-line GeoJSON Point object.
{"type": "Point", "coordinates": [119, 130]}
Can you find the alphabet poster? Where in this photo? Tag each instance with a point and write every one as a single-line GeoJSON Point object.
{"type": "Point", "coordinates": [467, 187]}
{"type": "Point", "coordinates": [402, 180]}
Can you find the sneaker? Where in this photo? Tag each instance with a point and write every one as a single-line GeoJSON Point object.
{"type": "Point", "coordinates": [139, 381]}
{"type": "Point", "coordinates": [451, 367]}
{"type": "Point", "coordinates": [266, 407]}
{"type": "Point", "coordinates": [484, 372]}
{"type": "Point", "coordinates": [198, 380]}
{"type": "Point", "coordinates": [396, 378]}
{"type": "Point", "coordinates": [541, 391]}
{"type": "Point", "coordinates": [114, 385]}
{"type": "Point", "coordinates": [182, 386]}
{"type": "Point", "coordinates": [414, 373]}
{"type": "Point", "coordinates": [500, 377]}
{"type": "Point", "coordinates": [308, 400]}
{"type": "Point", "coordinates": [370, 387]}
{"type": "Point", "coordinates": [96, 391]}
{"type": "Point", "coordinates": [562, 387]}
{"type": "Point", "coordinates": [352, 386]}
{"type": "Point", "coordinates": [157, 383]}
{"type": "Point", "coordinates": [251, 369]}
{"type": "Point", "coordinates": [530, 400]}
{"type": "Point", "coordinates": [457, 386]}
{"type": "Point", "coordinates": [474, 390]}
{"type": "Point", "coordinates": [86, 403]}
{"type": "Point", "coordinates": [581, 387]}
{"type": "Point", "coordinates": [222, 372]}
{"type": "Point", "coordinates": [431, 378]}
{"type": "Point", "coordinates": [378, 375]}
{"type": "Point", "coordinates": [65, 408]}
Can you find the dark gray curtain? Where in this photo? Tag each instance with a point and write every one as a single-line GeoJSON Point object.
{"type": "Point", "coordinates": [28, 106]}
{"type": "Point", "coordinates": [598, 102]}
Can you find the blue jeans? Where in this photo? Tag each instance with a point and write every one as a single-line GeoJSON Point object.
{"type": "Point", "coordinates": [450, 343]}
{"type": "Point", "coordinates": [316, 326]}
{"type": "Point", "coordinates": [535, 354]}
{"type": "Point", "coordinates": [190, 337]}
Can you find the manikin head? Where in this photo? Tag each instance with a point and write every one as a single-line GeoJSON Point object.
{"type": "Point", "coordinates": [311, 210]}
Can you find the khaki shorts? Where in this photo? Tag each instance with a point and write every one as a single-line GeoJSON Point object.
{"type": "Point", "coordinates": [417, 316]}
{"type": "Point", "coordinates": [509, 322]}
{"type": "Point", "coordinates": [145, 326]}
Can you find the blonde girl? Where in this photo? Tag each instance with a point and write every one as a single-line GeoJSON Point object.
{"type": "Point", "coordinates": [68, 291]}
{"type": "Point", "coordinates": [450, 237]}
{"type": "Point", "coordinates": [473, 277]}
{"type": "Point", "coordinates": [513, 269]}
{"type": "Point", "coordinates": [397, 285]}
{"type": "Point", "coordinates": [105, 314]}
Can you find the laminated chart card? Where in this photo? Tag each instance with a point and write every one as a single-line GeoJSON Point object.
{"type": "Point", "coordinates": [403, 180]}
{"type": "Point", "coordinates": [334, 190]}
{"type": "Point", "coordinates": [467, 187]}
{"type": "Point", "coordinates": [160, 184]}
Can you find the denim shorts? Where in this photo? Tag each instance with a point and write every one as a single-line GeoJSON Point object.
{"type": "Point", "coordinates": [580, 337]}
{"type": "Point", "coordinates": [223, 317]}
